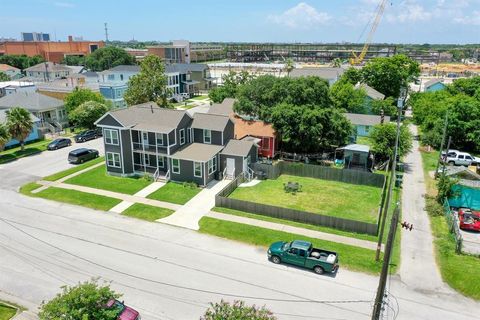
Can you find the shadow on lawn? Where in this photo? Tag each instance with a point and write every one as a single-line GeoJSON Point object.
{"type": "Point", "coordinates": [4, 158]}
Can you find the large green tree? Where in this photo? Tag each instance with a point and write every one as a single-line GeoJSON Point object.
{"type": "Point", "coordinates": [87, 113]}
{"type": "Point", "coordinates": [21, 61]}
{"type": "Point", "coordinates": [4, 76]}
{"type": "Point", "coordinates": [81, 95]}
{"type": "Point", "coordinates": [389, 74]}
{"type": "Point", "coordinates": [230, 84]}
{"type": "Point", "coordinates": [236, 311]}
{"type": "Point", "coordinates": [4, 136]}
{"type": "Point", "coordinates": [345, 96]}
{"type": "Point", "coordinates": [74, 60]}
{"type": "Point", "coordinates": [85, 301]}
{"type": "Point", "coordinates": [149, 85]}
{"type": "Point", "coordinates": [309, 128]}
{"type": "Point", "coordinates": [19, 124]}
{"type": "Point", "coordinates": [383, 140]}
{"type": "Point", "coordinates": [108, 57]}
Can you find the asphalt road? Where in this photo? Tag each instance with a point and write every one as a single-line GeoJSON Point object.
{"type": "Point", "coordinates": [18, 172]}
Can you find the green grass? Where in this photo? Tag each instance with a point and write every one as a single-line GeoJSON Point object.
{"type": "Point", "coordinates": [62, 174]}
{"type": "Point", "coordinates": [296, 224]}
{"type": "Point", "coordinates": [350, 257]}
{"type": "Point", "coordinates": [99, 179]}
{"type": "Point", "coordinates": [199, 98]}
{"type": "Point", "coordinates": [27, 189]}
{"type": "Point", "coordinates": [331, 198]}
{"type": "Point", "coordinates": [146, 212]}
{"type": "Point", "coordinates": [174, 193]}
{"type": "Point", "coordinates": [6, 312]}
{"type": "Point", "coordinates": [30, 149]}
{"type": "Point", "coordinates": [459, 271]}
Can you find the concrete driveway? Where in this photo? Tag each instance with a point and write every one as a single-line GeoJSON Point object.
{"type": "Point", "coordinates": [23, 170]}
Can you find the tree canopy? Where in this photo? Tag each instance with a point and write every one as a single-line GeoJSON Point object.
{"type": "Point", "coordinates": [84, 301]}
{"type": "Point", "coordinates": [21, 61]}
{"type": "Point", "coordinates": [4, 76]}
{"type": "Point", "coordinates": [230, 84]}
{"type": "Point", "coordinates": [383, 137]}
{"type": "Point", "coordinates": [19, 124]}
{"type": "Point", "coordinates": [345, 96]}
{"type": "Point", "coordinates": [236, 311]}
{"type": "Point", "coordinates": [148, 85]}
{"type": "Point", "coordinates": [4, 136]}
{"type": "Point", "coordinates": [81, 95]}
{"type": "Point", "coordinates": [74, 60]}
{"type": "Point", "coordinates": [87, 113]}
{"type": "Point", "coordinates": [108, 57]}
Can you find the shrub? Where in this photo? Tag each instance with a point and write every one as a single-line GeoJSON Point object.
{"type": "Point", "coordinates": [236, 311]}
{"type": "Point", "coordinates": [191, 185]}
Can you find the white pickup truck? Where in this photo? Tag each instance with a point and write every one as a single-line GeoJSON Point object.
{"type": "Point", "coordinates": [458, 158]}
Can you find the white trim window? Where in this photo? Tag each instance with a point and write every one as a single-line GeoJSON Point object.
{"type": "Point", "coordinates": [212, 165]}
{"type": "Point", "coordinates": [182, 136]}
{"type": "Point", "coordinates": [111, 136]}
{"type": "Point", "coordinates": [207, 136]}
{"type": "Point", "coordinates": [176, 166]}
{"type": "Point", "coordinates": [159, 138]}
{"type": "Point", "coordinates": [160, 162]}
{"type": "Point", "coordinates": [197, 169]}
{"type": "Point", "coordinates": [113, 160]}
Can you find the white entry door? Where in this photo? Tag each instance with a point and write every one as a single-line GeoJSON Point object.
{"type": "Point", "coordinates": [231, 166]}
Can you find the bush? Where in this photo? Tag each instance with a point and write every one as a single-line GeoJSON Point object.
{"type": "Point", "coordinates": [191, 185]}
{"type": "Point", "coordinates": [433, 208]}
{"type": "Point", "coordinates": [236, 311]}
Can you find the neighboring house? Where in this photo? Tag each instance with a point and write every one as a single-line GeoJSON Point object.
{"type": "Point", "coordinates": [194, 77]}
{"type": "Point", "coordinates": [35, 134]}
{"type": "Point", "coordinates": [328, 73]}
{"type": "Point", "coordinates": [49, 71]}
{"type": "Point", "coordinates": [113, 83]}
{"type": "Point", "coordinates": [168, 144]}
{"type": "Point", "coordinates": [372, 95]}
{"type": "Point", "coordinates": [364, 123]}
{"type": "Point", "coordinates": [467, 188]}
{"type": "Point", "coordinates": [50, 111]}
{"type": "Point", "coordinates": [10, 87]}
{"type": "Point", "coordinates": [256, 131]}
{"type": "Point", "coordinates": [12, 72]}
{"type": "Point", "coordinates": [60, 88]}
{"type": "Point", "coordinates": [434, 85]}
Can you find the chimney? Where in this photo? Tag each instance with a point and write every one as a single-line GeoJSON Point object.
{"type": "Point", "coordinates": [70, 38]}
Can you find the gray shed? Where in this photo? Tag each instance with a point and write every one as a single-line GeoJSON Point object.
{"type": "Point", "coordinates": [356, 156]}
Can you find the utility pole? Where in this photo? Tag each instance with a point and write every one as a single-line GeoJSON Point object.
{"type": "Point", "coordinates": [378, 306]}
{"type": "Point", "coordinates": [393, 170]}
{"type": "Point", "coordinates": [106, 33]}
{"type": "Point", "coordinates": [446, 153]}
{"type": "Point", "coordinates": [443, 142]}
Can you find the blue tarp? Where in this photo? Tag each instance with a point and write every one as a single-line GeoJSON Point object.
{"type": "Point", "coordinates": [468, 197]}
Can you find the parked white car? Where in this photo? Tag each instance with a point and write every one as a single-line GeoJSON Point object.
{"type": "Point", "coordinates": [458, 158]}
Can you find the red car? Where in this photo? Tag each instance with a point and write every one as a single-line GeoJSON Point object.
{"type": "Point", "coordinates": [469, 220]}
{"type": "Point", "coordinates": [124, 312]}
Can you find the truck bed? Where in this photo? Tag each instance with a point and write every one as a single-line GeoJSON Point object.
{"type": "Point", "coordinates": [323, 255]}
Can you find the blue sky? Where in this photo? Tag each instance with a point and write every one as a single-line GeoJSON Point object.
{"type": "Point", "coordinates": [404, 21]}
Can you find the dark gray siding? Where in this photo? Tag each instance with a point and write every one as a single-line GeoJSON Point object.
{"type": "Point", "coordinates": [186, 173]}
{"type": "Point", "coordinates": [109, 121]}
{"type": "Point", "coordinates": [216, 137]}
{"type": "Point", "coordinates": [253, 154]}
{"type": "Point", "coordinates": [210, 177]}
{"type": "Point", "coordinates": [114, 149]}
{"type": "Point", "coordinates": [229, 132]}
{"type": "Point", "coordinates": [127, 151]}
{"type": "Point", "coordinates": [238, 163]}
{"type": "Point", "coordinates": [171, 140]}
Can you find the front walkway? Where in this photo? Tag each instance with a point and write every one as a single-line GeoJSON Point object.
{"type": "Point", "coordinates": [295, 230]}
{"type": "Point", "coordinates": [124, 205]}
{"type": "Point", "coordinates": [190, 213]}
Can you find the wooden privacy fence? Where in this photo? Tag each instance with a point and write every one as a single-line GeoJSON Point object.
{"type": "Point", "coordinates": [320, 172]}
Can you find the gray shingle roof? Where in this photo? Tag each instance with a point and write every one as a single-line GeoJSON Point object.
{"type": "Point", "coordinates": [238, 147]}
{"type": "Point", "coordinates": [365, 119]}
{"type": "Point", "coordinates": [210, 121]}
{"type": "Point", "coordinates": [185, 67]}
{"type": "Point", "coordinates": [124, 67]}
{"type": "Point", "coordinates": [432, 82]}
{"type": "Point", "coordinates": [225, 108]}
{"type": "Point", "coordinates": [3, 117]}
{"type": "Point", "coordinates": [149, 117]}
{"type": "Point", "coordinates": [198, 152]}
{"type": "Point", "coordinates": [32, 101]}
{"type": "Point", "coordinates": [50, 66]}
{"type": "Point", "coordinates": [324, 73]}
{"type": "Point", "coordinates": [372, 93]}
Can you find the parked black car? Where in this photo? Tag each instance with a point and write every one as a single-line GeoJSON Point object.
{"type": "Point", "coordinates": [81, 155]}
{"type": "Point", "coordinates": [59, 143]}
{"type": "Point", "coordinates": [86, 135]}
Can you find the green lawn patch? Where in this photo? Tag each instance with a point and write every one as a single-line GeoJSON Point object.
{"type": "Point", "coordinates": [6, 312]}
{"type": "Point", "coordinates": [199, 98]}
{"type": "Point", "coordinates": [30, 149]}
{"type": "Point", "coordinates": [146, 212]}
{"type": "Point", "coordinates": [27, 189]}
{"type": "Point", "coordinates": [361, 236]}
{"type": "Point", "coordinates": [174, 193]}
{"type": "Point", "coordinates": [331, 198]}
{"type": "Point", "coordinates": [99, 179]}
{"type": "Point", "coordinates": [62, 174]}
{"type": "Point", "coordinates": [350, 257]}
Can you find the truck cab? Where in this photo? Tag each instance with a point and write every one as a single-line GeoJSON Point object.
{"type": "Point", "coordinates": [303, 254]}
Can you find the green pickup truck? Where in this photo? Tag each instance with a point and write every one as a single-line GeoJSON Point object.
{"type": "Point", "coordinates": [303, 254]}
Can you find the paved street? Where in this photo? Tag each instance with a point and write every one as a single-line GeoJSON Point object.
{"type": "Point", "coordinates": [34, 167]}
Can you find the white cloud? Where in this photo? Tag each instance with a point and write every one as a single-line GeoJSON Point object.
{"type": "Point", "coordinates": [64, 4]}
{"type": "Point", "coordinates": [473, 19]}
{"type": "Point", "coordinates": [409, 11]}
{"type": "Point", "coordinates": [301, 16]}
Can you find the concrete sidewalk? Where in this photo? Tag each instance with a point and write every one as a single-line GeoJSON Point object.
{"type": "Point", "coordinates": [190, 214]}
{"type": "Point", "coordinates": [124, 205]}
{"type": "Point", "coordinates": [28, 314]}
{"type": "Point", "coordinates": [296, 230]}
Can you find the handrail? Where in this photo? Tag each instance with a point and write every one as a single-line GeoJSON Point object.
{"type": "Point", "coordinates": [156, 174]}
{"type": "Point", "coordinates": [167, 176]}
{"type": "Point", "coordinates": [224, 173]}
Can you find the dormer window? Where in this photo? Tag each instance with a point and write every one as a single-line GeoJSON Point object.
{"type": "Point", "coordinates": [207, 136]}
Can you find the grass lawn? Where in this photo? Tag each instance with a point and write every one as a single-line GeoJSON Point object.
{"type": "Point", "coordinates": [99, 179]}
{"type": "Point", "coordinates": [62, 174]}
{"type": "Point", "coordinates": [88, 200]}
{"type": "Point", "coordinates": [146, 212]}
{"type": "Point", "coordinates": [6, 312]}
{"type": "Point", "coordinates": [459, 271]}
{"type": "Point", "coordinates": [174, 193]}
{"type": "Point", "coordinates": [331, 198]}
{"type": "Point", "coordinates": [199, 98]}
{"type": "Point", "coordinates": [16, 153]}
{"type": "Point", "coordinates": [350, 257]}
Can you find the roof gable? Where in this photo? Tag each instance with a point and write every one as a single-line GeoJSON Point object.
{"type": "Point", "coordinates": [108, 120]}
{"type": "Point", "coordinates": [371, 92]}
{"type": "Point", "coordinates": [225, 108]}
{"type": "Point", "coordinates": [365, 119]}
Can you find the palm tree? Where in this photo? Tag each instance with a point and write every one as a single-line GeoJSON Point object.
{"type": "Point", "coordinates": [289, 66]}
{"type": "Point", "coordinates": [19, 124]}
{"type": "Point", "coordinates": [4, 136]}
{"type": "Point", "coordinates": [336, 63]}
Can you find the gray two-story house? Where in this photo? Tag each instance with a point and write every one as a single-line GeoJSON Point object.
{"type": "Point", "coordinates": [173, 145]}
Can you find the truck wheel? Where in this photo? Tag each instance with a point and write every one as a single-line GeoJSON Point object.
{"type": "Point", "coordinates": [276, 260]}
{"type": "Point", "coordinates": [451, 163]}
{"type": "Point", "coordinates": [318, 270]}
